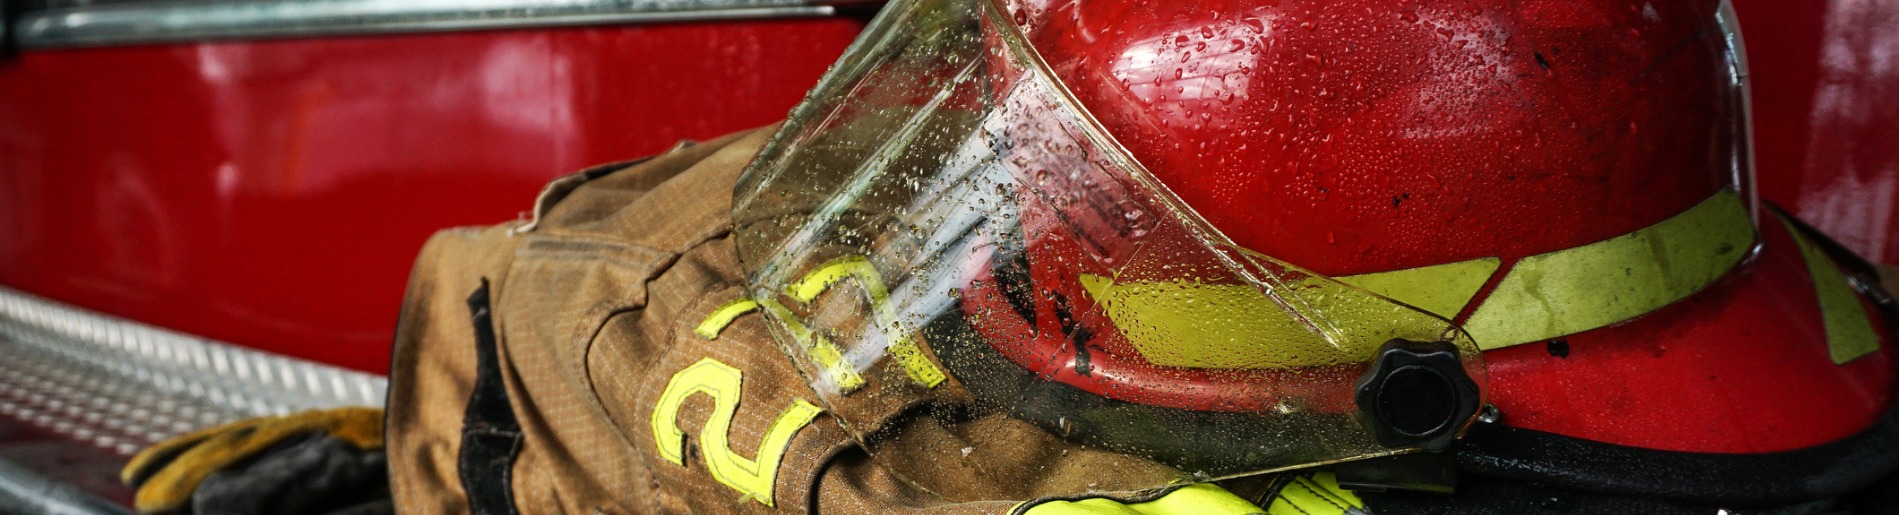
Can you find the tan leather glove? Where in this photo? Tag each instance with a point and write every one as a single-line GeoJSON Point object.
{"type": "Point", "coordinates": [166, 474]}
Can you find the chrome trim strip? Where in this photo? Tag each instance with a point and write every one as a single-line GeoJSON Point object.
{"type": "Point", "coordinates": [123, 385]}
{"type": "Point", "coordinates": [1743, 163]}
{"type": "Point", "coordinates": [175, 21]}
{"type": "Point", "coordinates": [23, 491]}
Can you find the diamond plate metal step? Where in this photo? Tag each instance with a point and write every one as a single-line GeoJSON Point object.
{"type": "Point", "coordinates": [118, 385]}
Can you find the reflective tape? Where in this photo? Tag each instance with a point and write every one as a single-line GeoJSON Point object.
{"type": "Point", "coordinates": [1316, 494]}
{"type": "Point", "coordinates": [752, 477]}
{"type": "Point", "coordinates": [903, 345]}
{"type": "Point", "coordinates": [722, 317]}
{"type": "Point", "coordinates": [1850, 332]}
{"type": "Point", "coordinates": [1237, 326]}
{"type": "Point", "coordinates": [1197, 499]}
{"type": "Point", "coordinates": [1442, 290]}
{"type": "Point", "coordinates": [825, 353]}
{"type": "Point", "coordinates": [1197, 325]}
{"type": "Point", "coordinates": [1582, 288]}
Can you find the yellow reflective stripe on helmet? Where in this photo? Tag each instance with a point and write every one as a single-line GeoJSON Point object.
{"type": "Point", "coordinates": [722, 317]}
{"type": "Point", "coordinates": [1317, 494]}
{"type": "Point", "coordinates": [1442, 290]}
{"type": "Point", "coordinates": [1197, 499]}
{"type": "Point", "coordinates": [1191, 324]}
{"type": "Point", "coordinates": [1581, 288]}
{"type": "Point", "coordinates": [1197, 325]}
{"type": "Point", "coordinates": [1850, 333]}
{"type": "Point", "coordinates": [1231, 326]}
{"type": "Point", "coordinates": [1170, 324]}
{"type": "Point", "coordinates": [902, 345]}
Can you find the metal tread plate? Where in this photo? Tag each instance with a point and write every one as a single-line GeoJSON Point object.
{"type": "Point", "coordinates": [122, 385]}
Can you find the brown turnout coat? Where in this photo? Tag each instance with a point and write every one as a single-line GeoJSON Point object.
{"type": "Point", "coordinates": [580, 319]}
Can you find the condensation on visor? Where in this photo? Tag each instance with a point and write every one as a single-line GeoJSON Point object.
{"type": "Point", "coordinates": [877, 227]}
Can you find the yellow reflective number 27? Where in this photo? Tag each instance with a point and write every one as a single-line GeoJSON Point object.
{"type": "Point", "coordinates": [902, 346]}
{"type": "Point", "coordinates": [722, 382]}
{"type": "Point", "coordinates": [754, 478]}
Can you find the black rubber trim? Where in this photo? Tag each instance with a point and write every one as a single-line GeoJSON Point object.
{"type": "Point", "coordinates": [1492, 496]}
{"type": "Point", "coordinates": [1825, 471]}
{"type": "Point", "coordinates": [1215, 443]}
{"type": "Point", "coordinates": [491, 437]}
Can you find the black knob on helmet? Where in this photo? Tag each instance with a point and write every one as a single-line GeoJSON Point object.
{"type": "Point", "coordinates": [1416, 394]}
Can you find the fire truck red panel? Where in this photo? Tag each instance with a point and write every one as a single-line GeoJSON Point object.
{"type": "Point", "coordinates": [274, 193]}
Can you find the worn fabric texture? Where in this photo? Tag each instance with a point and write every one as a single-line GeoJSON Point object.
{"type": "Point", "coordinates": [594, 306]}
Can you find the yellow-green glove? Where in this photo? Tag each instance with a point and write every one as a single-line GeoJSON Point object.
{"type": "Point", "coordinates": [1199, 499]}
{"type": "Point", "coordinates": [166, 474]}
{"type": "Point", "coordinates": [1299, 494]}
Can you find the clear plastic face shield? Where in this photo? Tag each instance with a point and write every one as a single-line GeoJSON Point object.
{"type": "Point", "coordinates": [976, 278]}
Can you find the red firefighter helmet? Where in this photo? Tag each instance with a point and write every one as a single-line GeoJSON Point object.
{"type": "Point", "coordinates": [1246, 236]}
{"type": "Point", "coordinates": [1567, 180]}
